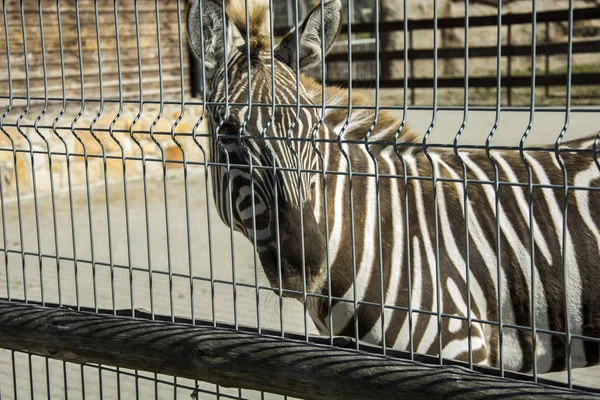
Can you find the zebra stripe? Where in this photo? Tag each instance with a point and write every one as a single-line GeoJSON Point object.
{"type": "Point", "coordinates": [287, 160]}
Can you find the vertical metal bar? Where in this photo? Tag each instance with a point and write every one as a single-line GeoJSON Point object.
{"type": "Point", "coordinates": [104, 163]}
{"type": "Point", "coordinates": [278, 242]}
{"type": "Point", "coordinates": [85, 155]}
{"type": "Point", "coordinates": [227, 161]}
{"type": "Point", "coordinates": [106, 191]}
{"type": "Point", "coordinates": [206, 174]}
{"type": "Point", "coordinates": [4, 242]}
{"type": "Point", "coordinates": [465, 188]}
{"type": "Point", "coordinates": [251, 172]}
{"type": "Point", "coordinates": [68, 166]}
{"type": "Point", "coordinates": [13, 362]}
{"type": "Point", "coordinates": [4, 114]}
{"type": "Point", "coordinates": [164, 163]}
{"type": "Point", "coordinates": [164, 167]}
{"type": "Point", "coordinates": [302, 243]}
{"type": "Point", "coordinates": [299, 186]}
{"type": "Point", "coordinates": [314, 132]}
{"type": "Point", "coordinates": [251, 165]}
{"type": "Point", "coordinates": [144, 179]}
{"type": "Point", "coordinates": [143, 155]}
{"type": "Point", "coordinates": [137, 385]}
{"type": "Point", "coordinates": [51, 175]}
{"type": "Point", "coordinates": [31, 383]}
{"type": "Point", "coordinates": [565, 236]}
{"type": "Point", "coordinates": [82, 380]}
{"type": "Point", "coordinates": [36, 127]}
{"type": "Point", "coordinates": [47, 371]}
{"type": "Point", "coordinates": [273, 161]}
{"type": "Point", "coordinates": [155, 380]}
{"type": "Point", "coordinates": [87, 177]}
{"type": "Point", "coordinates": [413, 100]}
{"type": "Point", "coordinates": [398, 152]}
{"type": "Point", "coordinates": [595, 150]}
{"type": "Point", "coordinates": [32, 160]}
{"type": "Point", "coordinates": [19, 211]}
{"type": "Point", "coordinates": [530, 190]}
{"type": "Point", "coordinates": [547, 59]}
{"type": "Point", "coordinates": [509, 68]}
{"type": "Point", "coordinates": [350, 175]}
{"type": "Point", "coordinates": [298, 169]}
{"type": "Point", "coordinates": [65, 380]}
{"type": "Point", "coordinates": [123, 160]}
{"type": "Point", "coordinates": [438, 294]}
{"type": "Point", "coordinates": [497, 185]}
{"type": "Point", "coordinates": [313, 144]}
{"type": "Point", "coordinates": [185, 165]}
{"type": "Point", "coordinates": [377, 181]}
{"type": "Point", "coordinates": [67, 152]}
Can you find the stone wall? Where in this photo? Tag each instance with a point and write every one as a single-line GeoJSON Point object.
{"type": "Point", "coordinates": [122, 79]}
{"type": "Point", "coordinates": [30, 36]}
{"type": "Point", "coordinates": [37, 163]}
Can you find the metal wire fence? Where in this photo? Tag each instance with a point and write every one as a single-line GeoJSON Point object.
{"type": "Point", "coordinates": [469, 239]}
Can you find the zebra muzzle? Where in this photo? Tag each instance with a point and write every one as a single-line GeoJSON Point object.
{"type": "Point", "coordinates": [287, 273]}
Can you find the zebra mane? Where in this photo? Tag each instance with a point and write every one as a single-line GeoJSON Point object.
{"type": "Point", "coordinates": [362, 119]}
{"type": "Point", "coordinates": [253, 33]}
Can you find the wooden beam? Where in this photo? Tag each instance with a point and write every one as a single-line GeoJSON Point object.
{"type": "Point", "coordinates": [588, 46]}
{"type": "Point", "coordinates": [577, 79]}
{"type": "Point", "coordinates": [245, 360]}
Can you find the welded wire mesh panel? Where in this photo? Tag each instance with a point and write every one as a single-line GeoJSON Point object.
{"type": "Point", "coordinates": [419, 177]}
{"type": "Point", "coordinates": [30, 376]}
{"type": "Point", "coordinates": [95, 205]}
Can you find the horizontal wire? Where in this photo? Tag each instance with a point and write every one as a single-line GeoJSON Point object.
{"type": "Point", "coordinates": [139, 375]}
{"type": "Point", "coordinates": [192, 134]}
{"type": "Point", "coordinates": [583, 109]}
{"type": "Point", "coordinates": [299, 293]}
{"type": "Point", "coordinates": [313, 171]}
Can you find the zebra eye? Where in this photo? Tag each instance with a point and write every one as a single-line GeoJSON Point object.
{"type": "Point", "coordinates": [228, 134]}
{"type": "Point", "coordinates": [312, 185]}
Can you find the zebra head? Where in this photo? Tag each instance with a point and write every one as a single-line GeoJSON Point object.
{"type": "Point", "coordinates": [261, 139]}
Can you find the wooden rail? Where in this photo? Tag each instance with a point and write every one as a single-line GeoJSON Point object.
{"type": "Point", "coordinates": [246, 360]}
{"type": "Point", "coordinates": [588, 46]}
{"type": "Point", "coordinates": [581, 79]}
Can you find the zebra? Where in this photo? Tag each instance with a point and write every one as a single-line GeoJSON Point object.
{"type": "Point", "coordinates": [348, 225]}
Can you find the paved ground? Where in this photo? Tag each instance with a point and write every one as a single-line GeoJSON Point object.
{"type": "Point", "coordinates": [160, 257]}
{"type": "Point", "coordinates": [118, 291]}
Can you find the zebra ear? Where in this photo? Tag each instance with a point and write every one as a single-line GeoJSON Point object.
{"type": "Point", "coordinates": [205, 19]}
{"type": "Point", "coordinates": [309, 35]}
